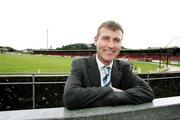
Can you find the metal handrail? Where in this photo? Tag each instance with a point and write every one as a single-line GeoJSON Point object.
{"type": "Point", "coordinates": [28, 83]}
{"type": "Point", "coordinates": [34, 82]}
{"type": "Point", "coordinates": [162, 78]}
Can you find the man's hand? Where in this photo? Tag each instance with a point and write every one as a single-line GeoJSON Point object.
{"type": "Point", "coordinates": [116, 90]}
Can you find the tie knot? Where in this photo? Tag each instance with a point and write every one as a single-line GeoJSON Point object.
{"type": "Point", "coordinates": [106, 69]}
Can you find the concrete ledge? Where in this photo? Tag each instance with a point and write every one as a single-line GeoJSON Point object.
{"type": "Point", "coordinates": [159, 109]}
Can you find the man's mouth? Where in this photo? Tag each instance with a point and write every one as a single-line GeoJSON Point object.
{"type": "Point", "coordinates": [110, 51]}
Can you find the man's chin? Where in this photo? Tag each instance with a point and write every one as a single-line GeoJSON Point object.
{"type": "Point", "coordinates": [109, 60]}
{"type": "Point", "coordinates": [110, 57]}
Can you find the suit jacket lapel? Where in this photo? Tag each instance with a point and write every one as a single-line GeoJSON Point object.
{"type": "Point", "coordinates": [93, 71]}
{"type": "Point", "coordinates": [116, 75]}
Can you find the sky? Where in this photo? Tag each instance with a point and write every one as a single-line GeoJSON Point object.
{"type": "Point", "coordinates": [146, 23]}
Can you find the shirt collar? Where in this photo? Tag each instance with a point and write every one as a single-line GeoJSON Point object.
{"type": "Point", "coordinates": [100, 64]}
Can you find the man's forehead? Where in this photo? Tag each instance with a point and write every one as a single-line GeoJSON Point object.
{"type": "Point", "coordinates": [109, 31]}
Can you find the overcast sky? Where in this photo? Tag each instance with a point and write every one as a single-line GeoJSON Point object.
{"type": "Point", "coordinates": [147, 23]}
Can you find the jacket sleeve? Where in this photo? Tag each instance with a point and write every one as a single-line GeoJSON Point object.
{"type": "Point", "coordinates": [136, 90]}
{"type": "Point", "coordinates": [76, 96]}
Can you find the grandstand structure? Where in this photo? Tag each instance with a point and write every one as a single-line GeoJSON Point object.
{"type": "Point", "coordinates": [150, 54]}
{"type": "Point", "coordinates": [171, 54]}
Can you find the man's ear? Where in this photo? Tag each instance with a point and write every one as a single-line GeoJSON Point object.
{"type": "Point", "coordinates": [95, 40]}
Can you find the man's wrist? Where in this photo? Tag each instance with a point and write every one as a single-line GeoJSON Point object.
{"type": "Point", "coordinates": [116, 90]}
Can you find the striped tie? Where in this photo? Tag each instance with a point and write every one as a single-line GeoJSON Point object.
{"type": "Point", "coordinates": [106, 81]}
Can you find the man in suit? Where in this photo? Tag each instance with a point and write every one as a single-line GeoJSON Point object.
{"type": "Point", "coordinates": [100, 80]}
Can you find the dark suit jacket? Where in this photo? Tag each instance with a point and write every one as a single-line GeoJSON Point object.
{"type": "Point", "coordinates": [83, 88]}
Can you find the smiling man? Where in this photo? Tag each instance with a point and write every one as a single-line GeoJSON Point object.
{"type": "Point", "coordinates": [100, 80]}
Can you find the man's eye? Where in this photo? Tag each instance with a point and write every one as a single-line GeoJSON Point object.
{"type": "Point", "coordinates": [117, 40]}
{"type": "Point", "coordinates": [105, 38]}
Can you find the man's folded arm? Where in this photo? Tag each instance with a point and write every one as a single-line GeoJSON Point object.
{"type": "Point", "coordinates": [136, 95]}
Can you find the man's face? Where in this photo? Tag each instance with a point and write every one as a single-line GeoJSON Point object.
{"type": "Point", "coordinates": [108, 45]}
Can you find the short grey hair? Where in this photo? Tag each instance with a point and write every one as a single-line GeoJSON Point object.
{"type": "Point", "coordinates": [111, 25]}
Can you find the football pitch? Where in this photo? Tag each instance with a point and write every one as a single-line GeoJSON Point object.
{"type": "Point", "coordinates": [43, 64]}
{"type": "Point", "coordinates": [34, 64]}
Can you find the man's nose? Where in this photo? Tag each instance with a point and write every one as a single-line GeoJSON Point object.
{"type": "Point", "coordinates": [111, 43]}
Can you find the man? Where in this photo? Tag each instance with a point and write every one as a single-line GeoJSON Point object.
{"type": "Point", "coordinates": [100, 80]}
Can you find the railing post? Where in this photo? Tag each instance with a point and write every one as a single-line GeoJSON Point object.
{"type": "Point", "coordinates": [147, 78]}
{"type": "Point", "coordinates": [33, 91]}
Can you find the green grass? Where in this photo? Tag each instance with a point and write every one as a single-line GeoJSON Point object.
{"type": "Point", "coordinates": [145, 67]}
{"type": "Point", "coordinates": [23, 64]}
{"type": "Point", "coordinates": [178, 65]}
{"type": "Point", "coordinates": [41, 64]}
